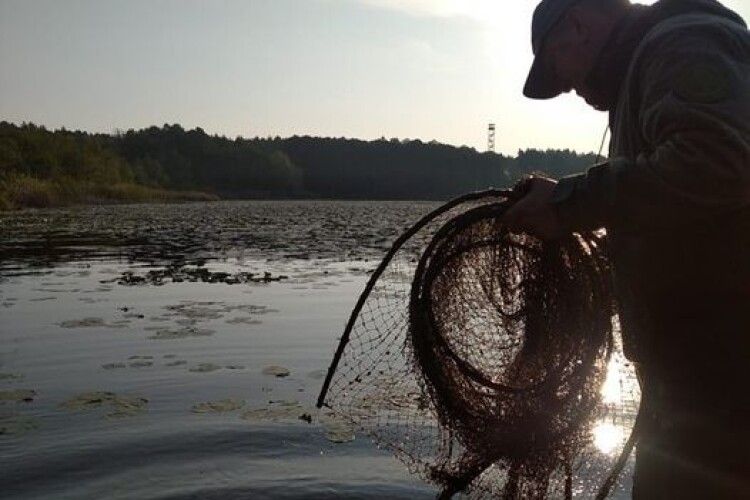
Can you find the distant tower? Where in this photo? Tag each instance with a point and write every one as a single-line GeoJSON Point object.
{"type": "Point", "coordinates": [491, 138]}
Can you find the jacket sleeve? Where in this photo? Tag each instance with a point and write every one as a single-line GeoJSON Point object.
{"type": "Point", "coordinates": [693, 98]}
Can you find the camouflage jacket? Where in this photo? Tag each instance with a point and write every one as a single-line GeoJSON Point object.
{"type": "Point", "coordinates": [675, 193]}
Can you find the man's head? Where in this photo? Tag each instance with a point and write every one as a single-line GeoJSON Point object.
{"type": "Point", "coordinates": [567, 38]}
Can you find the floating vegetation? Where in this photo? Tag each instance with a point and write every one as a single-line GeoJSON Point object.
{"type": "Point", "coordinates": [337, 431]}
{"type": "Point", "coordinates": [140, 364]}
{"type": "Point", "coordinates": [113, 366]}
{"type": "Point", "coordinates": [234, 367]}
{"type": "Point", "coordinates": [91, 323]}
{"type": "Point", "coordinates": [189, 313]}
{"type": "Point", "coordinates": [122, 406]}
{"type": "Point", "coordinates": [181, 333]}
{"type": "Point", "coordinates": [221, 406]}
{"type": "Point", "coordinates": [178, 274]}
{"type": "Point", "coordinates": [133, 316]}
{"type": "Point", "coordinates": [42, 299]}
{"type": "Point", "coordinates": [17, 424]}
{"type": "Point", "coordinates": [89, 300]}
{"type": "Point", "coordinates": [278, 412]}
{"type": "Point", "coordinates": [141, 357]}
{"type": "Point", "coordinates": [276, 371]}
{"type": "Point", "coordinates": [249, 309]}
{"type": "Point", "coordinates": [244, 320]}
{"type": "Point", "coordinates": [178, 362]}
{"type": "Point", "coordinates": [83, 323]}
{"type": "Point", "coordinates": [169, 356]}
{"type": "Point", "coordinates": [194, 312]}
{"type": "Point", "coordinates": [17, 395]}
{"type": "Point", "coordinates": [204, 368]}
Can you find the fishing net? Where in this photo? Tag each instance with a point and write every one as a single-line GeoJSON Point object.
{"type": "Point", "coordinates": [487, 361]}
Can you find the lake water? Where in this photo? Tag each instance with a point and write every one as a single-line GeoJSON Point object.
{"type": "Point", "coordinates": [119, 324]}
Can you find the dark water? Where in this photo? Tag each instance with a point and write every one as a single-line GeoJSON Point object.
{"type": "Point", "coordinates": [115, 322]}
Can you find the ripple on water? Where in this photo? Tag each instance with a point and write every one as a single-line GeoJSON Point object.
{"type": "Point", "coordinates": [14, 424]}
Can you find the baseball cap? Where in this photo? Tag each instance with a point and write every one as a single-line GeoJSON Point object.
{"type": "Point", "coordinates": [542, 82]}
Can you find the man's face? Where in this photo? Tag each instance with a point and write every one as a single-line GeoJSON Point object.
{"type": "Point", "coordinates": [570, 57]}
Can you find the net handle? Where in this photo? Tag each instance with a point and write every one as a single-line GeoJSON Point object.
{"type": "Point", "coordinates": [477, 195]}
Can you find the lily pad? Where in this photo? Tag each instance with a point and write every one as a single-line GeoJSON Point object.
{"type": "Point", "coordinates": [122, 406]}
{"type": "Point", "coordinates": [182, 333]}
{"type": "Point", "coordinates": [337, 431]}
{"type": "Point", "coordinates": [140, 364]}
{"type": "Point", "coordinates": [275, 413]}
{"type": "Point", "coordinates": [276, 371]}
{"type": "Point", "coordinates": [83, 323]}
{"type": "Point", "coordinates": [221, 406]}
{"type": "Point", "coordinates": [244, 320]}
{"type": "Point", "coordinates": [250, 309]}
{"type": "Point", "coordinates": [113, 366]}
{"type": "Point", "coordinates": [204, 368]}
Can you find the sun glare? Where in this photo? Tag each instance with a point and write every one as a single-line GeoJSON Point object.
{"type": "Point", "coordinates": [607, 437]}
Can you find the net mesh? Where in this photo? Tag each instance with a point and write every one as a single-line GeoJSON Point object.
{"type": "Point", "coordinates": [487, 361]}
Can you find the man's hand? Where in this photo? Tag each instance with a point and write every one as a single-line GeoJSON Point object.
{"type": "Point", "coordinates": [534, 213]}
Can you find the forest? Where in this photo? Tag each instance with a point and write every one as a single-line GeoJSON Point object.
{"type": "Point", "coordinates": [42, 168]}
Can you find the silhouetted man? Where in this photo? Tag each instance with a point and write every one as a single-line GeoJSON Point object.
{"type": "Point", "coordinates": [674, 197]}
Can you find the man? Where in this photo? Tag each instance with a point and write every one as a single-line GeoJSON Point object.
{"type": "Point", "coordinates": [674, 197]}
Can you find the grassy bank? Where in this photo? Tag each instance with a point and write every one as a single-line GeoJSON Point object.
{"type": "Point", "coordinates": [23, 191]}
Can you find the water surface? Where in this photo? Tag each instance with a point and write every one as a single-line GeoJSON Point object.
{"type": "Point", "coordinates": [174, 306]}
{"type": "Point", "coordinates": [122, 328]}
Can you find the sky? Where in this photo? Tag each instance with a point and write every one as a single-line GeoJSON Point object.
{"type": "Point", "coordinates": [411, 69]}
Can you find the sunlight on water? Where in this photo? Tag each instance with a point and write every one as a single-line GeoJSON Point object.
{"type": "Point", "coordinates": [612, 387]}
{"type": "Point", "coordinates": [607, 437]}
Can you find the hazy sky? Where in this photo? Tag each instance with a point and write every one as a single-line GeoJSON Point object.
{"type": "Point", "coordinates": [427, 69]}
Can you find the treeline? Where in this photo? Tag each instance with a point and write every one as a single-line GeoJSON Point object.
{"type": "Point", "coordinates": [39, 167]}
{"type": "Point", "coordinates": [394, 169]}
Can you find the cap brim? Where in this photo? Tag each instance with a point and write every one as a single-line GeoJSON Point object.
{"type": "Point", "coordinates": [541, 83]}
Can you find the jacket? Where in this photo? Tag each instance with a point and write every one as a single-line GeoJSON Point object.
{"type": "Point", "coordinates": [674, 195]}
